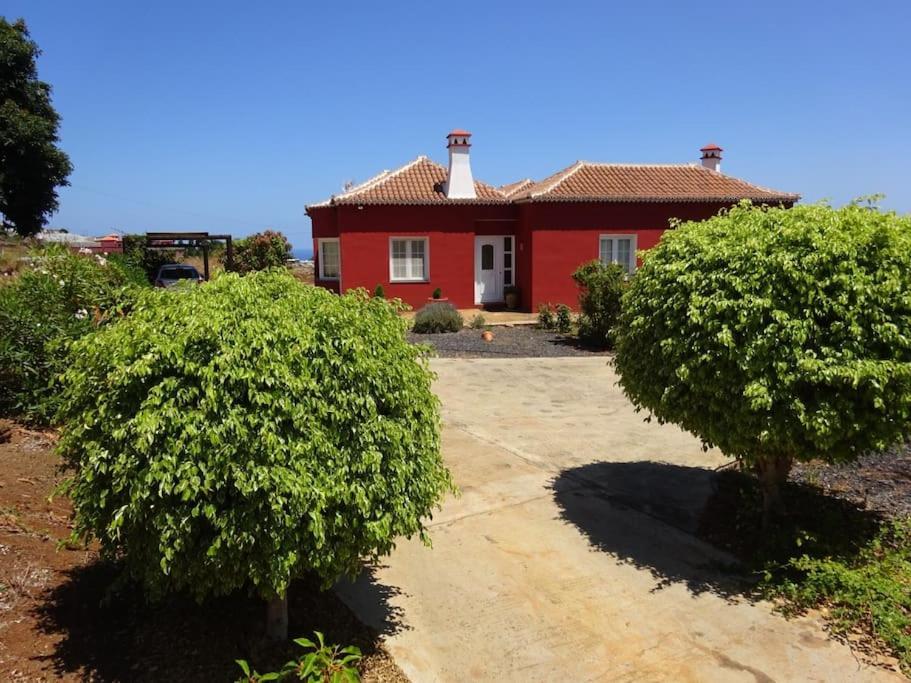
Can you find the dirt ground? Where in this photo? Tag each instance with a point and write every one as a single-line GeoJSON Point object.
{"type": "Point", "coordinates": [303, 272]}
{"type": "Point", "coordinates": [58, 620]}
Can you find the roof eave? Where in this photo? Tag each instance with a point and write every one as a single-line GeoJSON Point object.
{"type": "Point", "coordinates": [776, 199]}
{"type": "Point", "coordinates": [656, 199]}
{"type": "Point", "coordinates": [420, 202]}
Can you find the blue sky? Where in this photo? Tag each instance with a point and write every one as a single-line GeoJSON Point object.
{"type": "Point", "coordinates": [234, 115]}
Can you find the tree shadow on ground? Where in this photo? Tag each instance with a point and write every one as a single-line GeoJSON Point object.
{"type": "Point", "coordinates": [124, 637]}
{"type": "Point", "coordinates": [573, 342]}
{"type": "Point", "coordinates": [700, 527]}
{"type": "Point", "coordinates": [374, 601]}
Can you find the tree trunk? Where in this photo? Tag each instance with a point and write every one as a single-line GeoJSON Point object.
{"type": "Point", "coordinates": [773, 473]}
{"type": "Point", "coordinates": [277, 618]}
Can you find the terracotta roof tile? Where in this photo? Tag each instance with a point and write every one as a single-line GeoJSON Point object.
{"type": "Point", "coordinates": [421, 182]}
{"type": "Point", "coordinates": [511, 189]}
{"type": "Point", "coordinates": [418, 182]}
{"type": "Point", "coordinates": [587, 181]}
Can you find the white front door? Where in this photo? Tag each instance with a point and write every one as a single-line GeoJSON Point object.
{"type": "Point", "coordinates": [488, 270]}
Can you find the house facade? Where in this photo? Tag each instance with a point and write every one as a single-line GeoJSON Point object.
{"type": "Point", "coordinates": [426, 226]}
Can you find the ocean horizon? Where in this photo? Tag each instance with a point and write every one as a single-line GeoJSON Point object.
{"type": "Point", "coordinates": [302, 253]}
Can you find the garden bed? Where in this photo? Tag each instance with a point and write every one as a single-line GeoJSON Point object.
{"type": "Point", "coordinates": [879, 482]}
{"type": "Point", "coordinates": [58, 620]}
{"type": "Point", "coordinates": [838, 504]}
{"type": "Point", "coordinates": [522, 341]}
{"type": "Point", "coordinates": [842, 547]}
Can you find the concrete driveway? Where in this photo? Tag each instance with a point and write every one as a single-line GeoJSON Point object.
{"type": "Point", "coordinates": [570, 555]}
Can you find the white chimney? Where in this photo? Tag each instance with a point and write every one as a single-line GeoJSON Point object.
{"type": "Point", "coordinates": [459, 183]}
{"type": "Point", "coordinates": [711, 157]}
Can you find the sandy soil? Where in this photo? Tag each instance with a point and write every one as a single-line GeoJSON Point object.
{"type": "Point", "coordinates": [60, 621]}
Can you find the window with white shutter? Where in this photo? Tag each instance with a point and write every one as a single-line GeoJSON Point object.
{"type": "Point", "coordinates": [329, 259]}
{"type": "Point", "coordinates": [408, 259]}
{"type": "Point", "coordinates": [619, 249]}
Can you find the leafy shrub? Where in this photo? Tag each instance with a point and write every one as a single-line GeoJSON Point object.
{"type": "Point", "coordinates": [868, 591]}
{"type": "Point", "coordinates": [775, 334]}
{"type": "Point", "coordinates": [148, 261]}
{"type": "Point", "coordinates": [546, 317]}
{"type": "Point", "coordinates": [564, 319]}
{"type": "Point", "coordinates": [379, 292]}
{"type": "Point", "coordinates": [600, 290]}
{"type": "Point", "coordinates": [269, 249]}
{"type": "Point", "coordinates": [58, 299]}
{"type": "Point", "coordinates": [438, 293]}
{"type": "Point", "coordinates": [324, 663]}
{"type": "Point", "coordinates": [130, 273]}
{"type": "Point", "coordinates": [439, 317]}
{"type": "Point", "coordinates": [246, 432]}
{"type": "Point", "coordinates": [478, 322]}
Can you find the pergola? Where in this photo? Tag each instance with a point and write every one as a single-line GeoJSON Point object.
{"type": "Point", "coordinates": [176, 240]}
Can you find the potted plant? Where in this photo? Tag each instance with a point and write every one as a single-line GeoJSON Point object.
{"type": "Point", "coordinates": [512, 295]}
{"type": "Point", "coordinates": [437, 296]}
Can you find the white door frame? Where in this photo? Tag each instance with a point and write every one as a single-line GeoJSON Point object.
{"type": "Point", "coordinates": [496, 295]}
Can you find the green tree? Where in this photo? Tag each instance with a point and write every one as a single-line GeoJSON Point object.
{"type": "Point", "coordinates": [244, 432]}
{"type": "Point", "coordinates": [775, 334]}
{"type": "Point", "coordinates": [263, 250]}
{"type": "Point", "coordinates": [32, 167]}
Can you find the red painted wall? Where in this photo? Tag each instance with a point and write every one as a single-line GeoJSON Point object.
{"type": "Point", "coordinates": [552, 240]}
{"type": "Point", "coordinates": [364, 245]}
{"type": "Point", "coordinates": [566, 235]}
{"type": "Point", "coordinates": [558, 253]}
{"type": "Point", "coordinates": [324, 223]}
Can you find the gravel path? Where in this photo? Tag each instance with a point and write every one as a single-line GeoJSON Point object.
{"type": "Point", "coordinates": [878, 481]}
{"type": "Point", "coordinates": [519, 342]}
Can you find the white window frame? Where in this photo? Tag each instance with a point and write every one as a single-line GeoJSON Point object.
{"type": "Point", "coordinates": [512, 259]}
{"type": "Point", "coordinates": [631, 236]}
{"type": "Point", "coordinates": [328, 240]}
{"type": "Point", "coordinates": [408, 240]}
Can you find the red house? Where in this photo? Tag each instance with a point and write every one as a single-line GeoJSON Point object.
{"type": "Point", "coordinates": [110, 244]}
{"type": "Point", "coordinates": [424, 226]}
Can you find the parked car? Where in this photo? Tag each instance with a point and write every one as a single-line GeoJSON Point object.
{"type": "Point", "coordinates": [172, 273]}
